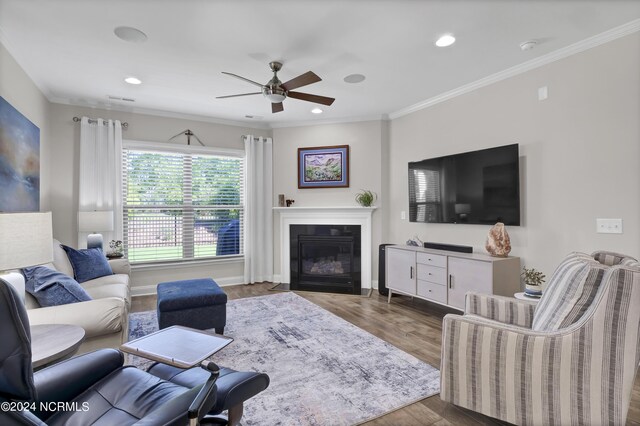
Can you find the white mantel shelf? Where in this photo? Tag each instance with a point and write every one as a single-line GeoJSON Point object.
{"type": "Point", "coordinates": [323, 215]}
{"type": "Point", "coordinates": [325, 208]}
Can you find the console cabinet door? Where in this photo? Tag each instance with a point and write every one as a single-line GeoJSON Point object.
{"type": "Point", "coordinates": [468, 275]}
{"type": "Point", "coordinates": [401, 270]}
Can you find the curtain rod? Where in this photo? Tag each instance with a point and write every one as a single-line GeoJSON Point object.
{"type": "Point", "coordinates": [124, 124]}
{"type": "Point", "coordinates": [254, 138]}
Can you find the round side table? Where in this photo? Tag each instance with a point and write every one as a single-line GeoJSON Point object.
{"type": "Point", "coordinates": [52, 342]}
{"type": "Point", "coordinates": [523, 296]}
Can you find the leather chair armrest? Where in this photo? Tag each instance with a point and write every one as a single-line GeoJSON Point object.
{"type": "Point", "coordinates": [67, 379]}
{"type": "Point", "coordinates": [234, 387]}
{"type": "Point", "coordinates": [120, 266]}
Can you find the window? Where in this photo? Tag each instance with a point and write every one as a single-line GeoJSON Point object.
{"type": "Point", "coordinates": [181, 204]}
{"type": "Point", "coordinates": [425, 198]}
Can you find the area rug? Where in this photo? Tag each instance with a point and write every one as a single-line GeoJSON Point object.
{"type": "Point", "coordinates": [323, 369]}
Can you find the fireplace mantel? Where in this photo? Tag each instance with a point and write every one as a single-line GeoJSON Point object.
{"type": "Point", "coordinates": [348, 215]}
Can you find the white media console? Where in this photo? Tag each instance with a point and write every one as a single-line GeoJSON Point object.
{"type": "Point", "coordinates": [445, 277]}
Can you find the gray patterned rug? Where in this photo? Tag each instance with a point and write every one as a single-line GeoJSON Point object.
{"type": "Point", "coordinates": [323, 369]}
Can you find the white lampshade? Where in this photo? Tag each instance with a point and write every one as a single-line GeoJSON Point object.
{"type": "Point", "coordinates": [27, 240]}
{"type": "Point", "coordinates": [95, 221]}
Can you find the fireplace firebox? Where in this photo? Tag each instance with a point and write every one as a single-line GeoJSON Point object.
{"type": "Point", "coordinates": [325, 258]}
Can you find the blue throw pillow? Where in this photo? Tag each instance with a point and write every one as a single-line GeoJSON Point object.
{"type": "Point", "coordinates": [88, 263]}
{"type": "Point", "coordinates": [52, 288]}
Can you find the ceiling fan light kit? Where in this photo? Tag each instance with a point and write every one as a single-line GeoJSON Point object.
{"type": "Point", "coordinates": [276, 91]}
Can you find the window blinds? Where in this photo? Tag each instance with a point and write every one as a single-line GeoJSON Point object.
{"type": "Point", "coordinates": [181, 205]}
{"type": "Point", "coordinates": [426, 195]}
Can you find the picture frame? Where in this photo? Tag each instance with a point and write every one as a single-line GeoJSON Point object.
{"type": "Point", "coordinates": [323, 167]}
{"type": "Point", "coordinates": [19, 161]}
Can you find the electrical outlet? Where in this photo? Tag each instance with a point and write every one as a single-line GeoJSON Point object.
{"type": "Point", "coordinates": [609, 226]}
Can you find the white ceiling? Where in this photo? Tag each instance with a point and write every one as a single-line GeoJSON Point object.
{"type": "Point", "coordinates": [69, 49]}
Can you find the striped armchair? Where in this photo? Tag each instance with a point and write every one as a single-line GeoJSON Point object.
{"type": "Point", "coordinates": [570, 360]}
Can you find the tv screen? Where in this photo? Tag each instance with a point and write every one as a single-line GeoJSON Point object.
{"type": "Point", "coordinates": [478, 187]}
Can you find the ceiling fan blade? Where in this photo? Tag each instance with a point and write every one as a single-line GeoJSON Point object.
{"type": "Point", "coordinates": [242, 94]}
{"type": "Point", "coordinates": [242, 78]}
{"type": "Point", "coordinates": [277, 107]}
{"type": "Point", "coordinates": [311, 98]}
{"type": "Point", "coordinates": [301, 80]}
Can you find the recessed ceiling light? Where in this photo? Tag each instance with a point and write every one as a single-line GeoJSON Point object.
{"type": "Point", "coordinates": [354, 78]}
{"type": "Point", "coordinates": [445, 40]}
{"type": "Point", "coordinates": [316, 111]}
{"type": "Point", "coordinates": [130, 34]}
{"type": "Point", "coordinates": [528, 45]}
{"type": "Point", "coordinates": [133, 80]}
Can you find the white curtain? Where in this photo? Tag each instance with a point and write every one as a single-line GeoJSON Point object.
{"type": "Point", "coordinates": [258, 234]}
{"type": "Point", "coordinates": [100, 186]}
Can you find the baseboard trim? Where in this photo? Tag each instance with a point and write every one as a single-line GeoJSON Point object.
{"type": "Point", "coordinates": [149, 290]}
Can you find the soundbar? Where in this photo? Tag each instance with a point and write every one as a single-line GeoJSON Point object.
{"type": "Point", "coordinates": [449, 247]}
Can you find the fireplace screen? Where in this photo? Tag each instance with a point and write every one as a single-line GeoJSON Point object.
{"type": "Point", "coordinates": [326, 261]}
{"type": "Point", "coordinates": [325, 255]}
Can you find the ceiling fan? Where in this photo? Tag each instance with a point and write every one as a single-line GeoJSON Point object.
{"type": "Point", "coordinates": [277, 91]}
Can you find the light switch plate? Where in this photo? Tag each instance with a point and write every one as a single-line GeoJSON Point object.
{"type": "Point", "coordinates": [609, 226]}
{"type": "Point", "coordinates": [543, 93]}
{"type": "Point", "coordinates": [403, 215]}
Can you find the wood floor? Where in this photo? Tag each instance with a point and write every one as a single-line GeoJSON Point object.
{"type": "Point", "coordinates": [413, 325]}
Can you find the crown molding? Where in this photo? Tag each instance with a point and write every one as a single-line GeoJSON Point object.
{"type": "Point", "coordinates": [41, 87]}
{"type": "Point", "coordinates": [588, 43]}
{"type": "Point", "coordinates": [556, 55]}
{"type": "Point", "coordinates": [162, 113]}
{"type": "Point", "coordinates": [306, 123]}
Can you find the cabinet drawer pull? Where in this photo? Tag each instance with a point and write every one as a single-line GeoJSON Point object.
{"type": "Point", "coordinates": [450, 277]}
{"type": "Point", "coordinates": [411, 272]}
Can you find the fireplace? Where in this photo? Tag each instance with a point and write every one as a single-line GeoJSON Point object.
{"type": "Point", "coordinates": [325, 258]}
{"type": "Point", "coordinates": [335, 218]}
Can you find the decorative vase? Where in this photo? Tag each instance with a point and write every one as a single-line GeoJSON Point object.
{"type": "Point", "coordinates": [498, 242]}
{"type": "Point", "coordinates": [533, 290]}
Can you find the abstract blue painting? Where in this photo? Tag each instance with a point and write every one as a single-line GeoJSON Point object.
{"type": "Point", "coordinates": [19, 161]}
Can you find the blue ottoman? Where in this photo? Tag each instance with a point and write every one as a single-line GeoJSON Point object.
{"type": "Point", "coordinates": [197, 304]}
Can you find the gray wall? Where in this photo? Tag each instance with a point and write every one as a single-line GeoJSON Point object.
{"type": "Point", "coordinates": [19, 90]}
{"type": "Point", "coordinates": [65, 136]}
{"type": "Point", "coordinates": [579, 153]}
{"type": "Point", "coordinates": [365, 140]}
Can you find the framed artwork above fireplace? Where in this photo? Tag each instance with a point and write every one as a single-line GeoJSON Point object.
{"type": "Point", "coordinates": [323, 167]}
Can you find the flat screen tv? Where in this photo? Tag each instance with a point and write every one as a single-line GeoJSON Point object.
{"type": "Point", "coordinates": [478, 187]}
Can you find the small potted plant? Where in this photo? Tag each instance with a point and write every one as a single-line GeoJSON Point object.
{"type": "Point", "coordinates": [116, 249]}
{"type": "Point", "coordinates": [366, 198]}
{"type": "Point", "coordinates": [533, 281]}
